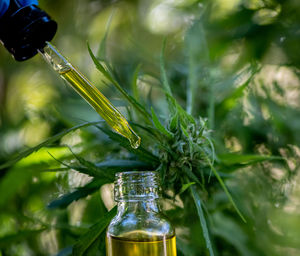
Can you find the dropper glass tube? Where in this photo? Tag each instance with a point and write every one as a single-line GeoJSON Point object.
{"type": "Point", "coordinates": [90, 93]}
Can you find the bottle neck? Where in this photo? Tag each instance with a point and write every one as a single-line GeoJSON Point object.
{"type": "Point", "coordinates": [141, 207]}
{"type": "Point", "coordinates": [136, 186]}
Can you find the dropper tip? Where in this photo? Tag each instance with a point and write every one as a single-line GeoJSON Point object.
{"type": "Point", "coordinates": [136, 142]}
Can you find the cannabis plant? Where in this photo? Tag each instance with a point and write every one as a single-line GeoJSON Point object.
{"type": "Point", "coordinates": [198, 143]}
{"type": "Point", "coordinates": [180, 148]}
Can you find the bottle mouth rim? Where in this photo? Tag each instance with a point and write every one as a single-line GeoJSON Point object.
{"type": "Point", "coordinates": [142, 173]}
{"type": "Point", "coordinates": [137, 177]}
{"type": "Point", "coordinates": [136, 186]}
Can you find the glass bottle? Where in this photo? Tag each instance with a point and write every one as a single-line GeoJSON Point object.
{"type": "Point", "coordinates": [139, 228]}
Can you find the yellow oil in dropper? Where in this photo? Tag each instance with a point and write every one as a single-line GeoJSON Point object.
{"type": "Point", "coordinates": [90, 93]}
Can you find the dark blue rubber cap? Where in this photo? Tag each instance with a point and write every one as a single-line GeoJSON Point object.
{"type": "Point", "coordinates": [4, 4]}
{"type": "Point", "coordinates": [25, 30]}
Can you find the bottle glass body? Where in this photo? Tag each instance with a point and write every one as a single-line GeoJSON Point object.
{"type": "Point", "coordinates": [139, 228]}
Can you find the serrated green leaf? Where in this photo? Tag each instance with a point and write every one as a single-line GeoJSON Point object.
{"type": "Point", "coordinates": [87, 239]}
{"type": "Point", "coordinates": [99, 66]}
{"type": "Point", "coordinates": [174, 107]}
{"type": "Point", "coordinates": [197, 200]}
{"type": "Point", "coordinates": [92, 169]}
{"type": "Point", "coordinates": [123, 164]}
{"type": "Point", "coordinates": [47, 142]}
{"type": "Point", "coordinates": [143, 154]}
{"type": "Point", "coordinates": [107, 169]}
{"type": "Point", "coordinates": [226, 190]}
{"type": "Point", "coordinates": [64, 200]}
{"type": "Point", "coordinates": [149, 129]}
{"type": "Point", "coordinates": [102, 48]}
{"type": "Point", "coordinates": [184, 117]}
{"type": "Point", "coordinates": [184, 131]}
{"type": "Point", "coordinates": [159, 126]}
{"type": "Point", "coordinates": [109, 76]}
{"type": "Point", "coordinates": [174, 123]}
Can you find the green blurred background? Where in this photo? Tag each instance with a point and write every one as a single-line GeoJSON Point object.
{"type": "Point", "coordinates": [228, 39]}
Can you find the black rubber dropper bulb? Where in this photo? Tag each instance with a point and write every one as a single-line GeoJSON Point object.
{"type": "Point", "coordinates": [24, 30]}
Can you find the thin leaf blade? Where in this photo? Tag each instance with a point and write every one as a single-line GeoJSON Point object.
{"type": "Point", "coordinates": [159, 126]}
{"type": "Point", "coordinates": [198, 203]}
{"type": "Point", "coordinates": [47, 142]}
{"type": "Point", "coordinates": [87, 239]}
{"type": "Point", "coordinates": [231, 159]}
{"type": "Point", "coordinates": [65, 200]}
{"type": "Point", "coordinates": [109, 76]}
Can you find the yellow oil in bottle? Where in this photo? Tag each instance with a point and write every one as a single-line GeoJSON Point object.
{"type": "Point", "coordinates": [101, 104]}
{"type": "Point", "coordinates": [119, 246]}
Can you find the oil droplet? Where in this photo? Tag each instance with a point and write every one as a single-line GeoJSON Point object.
{"type": "Point", "coordinates": [135, 142]}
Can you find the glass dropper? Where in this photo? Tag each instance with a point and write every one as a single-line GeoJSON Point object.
{"type": "Point", "coordinates": [90, 93]}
